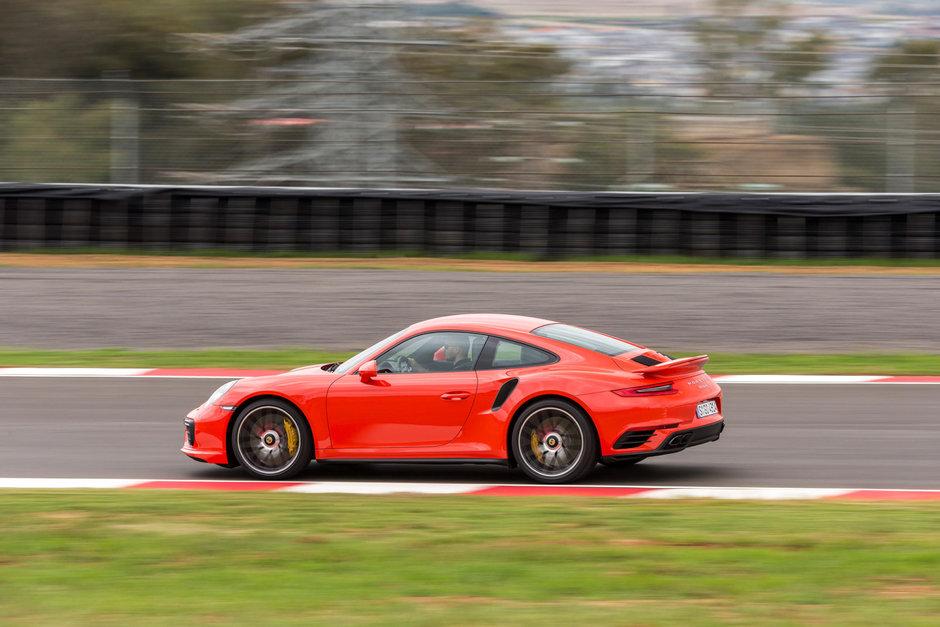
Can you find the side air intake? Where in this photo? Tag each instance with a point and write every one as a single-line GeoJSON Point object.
{"type": "Point", "coordinates": [504, 393]}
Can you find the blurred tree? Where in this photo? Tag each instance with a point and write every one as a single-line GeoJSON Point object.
{"type": "Point", "coordinates": [909, 75]}
{"type": "Point", "coordinates": [456, 63]}
{"type": "Point", "coordinates": [59, 139]}
{"type": "Point", "coordinates": [911, 61]}
{"type": "Point", "coordinates": [885, 144]}
{"type": "Point", "coordinates": [731, 38]}
{"type": "Point", "coordinates": [745, 51]}
{"type": "Point", "coordinates": [803, 58]}
{"type": "Point", "coordinates": [86, 38]}
{"type": "Point", "coordinates": [114, 55]}
{"type": "Point", "coordinates": [499, 104]}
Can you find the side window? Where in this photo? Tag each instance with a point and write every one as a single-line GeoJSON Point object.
{"type": "Point", "coordinates": [509, 354]}
{"type": "Point", "coordinates": [448, 351]}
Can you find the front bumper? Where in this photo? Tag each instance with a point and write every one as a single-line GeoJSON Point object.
{"type": "Point", "coordinates": [205, 430]}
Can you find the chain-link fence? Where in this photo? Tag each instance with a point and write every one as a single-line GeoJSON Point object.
{"type": "Point", "coordinates": [124, 131]}
{"type": "Point", "coordinates": [367, 102]}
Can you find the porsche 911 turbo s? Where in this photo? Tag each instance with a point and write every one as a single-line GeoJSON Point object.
{"type": "Point", "coordinates": [550, 398]}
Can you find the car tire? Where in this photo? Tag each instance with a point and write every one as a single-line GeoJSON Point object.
{"type": "Point", "coordinates": [553, 441]}
{"type": "Point", "coordinates": [271, 439]}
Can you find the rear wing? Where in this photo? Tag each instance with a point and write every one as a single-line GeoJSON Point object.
{"type": "Point", "coordinates": [686, 365]}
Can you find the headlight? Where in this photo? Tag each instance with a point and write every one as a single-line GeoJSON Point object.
{"type": "Point", "coordinates": [221, 392]}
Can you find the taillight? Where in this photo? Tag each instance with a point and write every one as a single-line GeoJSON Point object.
{"type": "Point", "coordinates": [660, 389]}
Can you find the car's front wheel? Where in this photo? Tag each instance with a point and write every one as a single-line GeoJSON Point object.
{"type": "Point", "coordinates": [553, 442]}
{"type": "Point", "coordinates": [272, 440]}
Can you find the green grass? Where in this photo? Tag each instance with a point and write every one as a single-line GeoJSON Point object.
{"type": "Point", "coordinates": [156, 558]}
{"type": "Point", "coordinates": [211, 253]}
{"type": "Point", "coordinates": [275, 359]}
{"type": "Point", "coordinates": [853, 363]}
{"type": "Point", "coordinates": [287, 358]}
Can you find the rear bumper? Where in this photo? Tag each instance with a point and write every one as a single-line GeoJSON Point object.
{"type": "Point", "coordinates": [677, 441]}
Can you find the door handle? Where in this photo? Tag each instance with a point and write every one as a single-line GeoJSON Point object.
{"type": "Point", "coordinates": [455, 396]}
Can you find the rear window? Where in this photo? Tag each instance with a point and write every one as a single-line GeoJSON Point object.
{"type": "Point", "coordinates": [590, 340]}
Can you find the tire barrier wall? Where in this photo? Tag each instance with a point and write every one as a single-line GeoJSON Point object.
{"type": "Point", "coordinates": [544, 224]}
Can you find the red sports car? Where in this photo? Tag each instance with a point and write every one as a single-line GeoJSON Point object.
{"type": "Point", "coordinates": [551, 398]}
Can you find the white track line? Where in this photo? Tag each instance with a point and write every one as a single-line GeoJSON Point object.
{"type": "Point", "coordinates": [73, 372]}
{"type": "Point", "coordinates": [796, 379]}
{"type": "Point", "coordinates": [354, 487]}
{"type": "Point", "coordinates": [30, 483]}
{"type": "Point", "coordinates": [764, 494]}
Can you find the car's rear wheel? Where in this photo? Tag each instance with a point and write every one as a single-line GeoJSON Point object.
{"type": "Point", "coordinates": [272, 440]}
{"type": "Point", "coordinates": [553, 442]}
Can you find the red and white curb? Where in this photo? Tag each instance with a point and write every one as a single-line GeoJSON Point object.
{"type": "Point", "coordinates": [230, 373]}
{"type": "Point", "coordinates": [479, 489]}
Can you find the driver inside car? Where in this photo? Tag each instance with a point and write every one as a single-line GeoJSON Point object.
{"type": "Point", "coordinates": [456, 349]}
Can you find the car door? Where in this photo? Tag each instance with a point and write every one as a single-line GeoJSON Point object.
{"type": "Point", "coordinates": [417, 399]}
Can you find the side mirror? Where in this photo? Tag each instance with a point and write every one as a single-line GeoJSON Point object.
{"type": "Point", "coordinates": [368, 371]}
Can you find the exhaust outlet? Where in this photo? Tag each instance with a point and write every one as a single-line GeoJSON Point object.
{"type": "Point", "coordinates": [680, 439]}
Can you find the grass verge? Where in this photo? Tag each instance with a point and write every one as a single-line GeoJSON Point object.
{"type": "Point", "coordinates": [287, 358]}
{"type": "Point", "coordinates": [275, 359]}
{"type": "Point", "coordinates": [109, 557]}
{"type": "Point", "coordinates": [477, 262]}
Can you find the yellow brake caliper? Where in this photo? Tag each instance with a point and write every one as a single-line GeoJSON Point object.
{"type": "Point", "coordinates": [535, 447]}
{"type": "Point", "coordinates": [291, 436]}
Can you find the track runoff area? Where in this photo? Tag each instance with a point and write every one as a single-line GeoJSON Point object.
{"type": "Point", "coordinates": [378, 488]}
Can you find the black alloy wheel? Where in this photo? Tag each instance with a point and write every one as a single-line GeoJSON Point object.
{"type": "Point", "coordinates": [554, 442]}
{"type": "Point", "coordinates": [271, 439]}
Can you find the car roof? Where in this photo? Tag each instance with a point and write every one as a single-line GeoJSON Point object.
{"type": "Point", "coordinates": [483, 322]}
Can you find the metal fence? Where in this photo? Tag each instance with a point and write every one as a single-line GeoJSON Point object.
{"type": "Point", "coordinates": [617, 97]}
{"type": "Point", "coordinates": [384, 136]}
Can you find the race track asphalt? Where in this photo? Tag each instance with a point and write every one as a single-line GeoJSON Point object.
{"type": "Point", "coordinates": [348, 309]}
{"type": "Point", "coordinates": [834, 436]}
{"type": "Point", "coordinates": [853, 436]}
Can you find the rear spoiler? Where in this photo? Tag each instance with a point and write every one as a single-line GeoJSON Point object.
{"type": "Point", "coordinates": [686, 365]}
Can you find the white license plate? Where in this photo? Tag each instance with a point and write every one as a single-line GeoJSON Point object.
{"type": "Point", "coordinates": [706, 408]}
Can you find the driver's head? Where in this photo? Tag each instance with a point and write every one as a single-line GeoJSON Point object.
{"type": "Point", "coordinates": [456, 347]}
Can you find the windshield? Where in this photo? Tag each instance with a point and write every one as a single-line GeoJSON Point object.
{"type": "Point", "coordinates": [344, 367]}
{"type": "Point", "coordinates": [590, 340]}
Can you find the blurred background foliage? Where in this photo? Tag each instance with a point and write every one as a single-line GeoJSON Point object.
{"type": "Point", "coordinates": [89, 38]}
{"type": "Point", "coordinates": [743, 94]}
